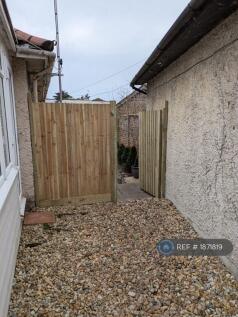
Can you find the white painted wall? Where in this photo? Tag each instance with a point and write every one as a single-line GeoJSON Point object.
{"type": "Point", "coordinates": [10, 187]}
{"type": "Point", "coordinates": [10, 227]}
{"type": "Point", "coordinates": [202, 150]}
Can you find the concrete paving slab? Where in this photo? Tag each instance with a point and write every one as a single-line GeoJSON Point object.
{"type": "Point", "coordinates": [130, 191]}
{"type": "Point", "coordinates": [35, 218]}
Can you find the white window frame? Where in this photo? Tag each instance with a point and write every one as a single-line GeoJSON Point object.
{"type": "Point", "coordinates": [10, 120]}
{"type": "Point", "coordinates": [15, 147]}
{"type": "Point", "coordinates": [15, 156]}
{"type": "Point", "coordinates": [2, 158]}
{"type": "Point", "coordinates": [9, 104]}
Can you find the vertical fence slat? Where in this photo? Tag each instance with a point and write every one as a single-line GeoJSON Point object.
{"type": "Point", "coordinates": [156, 154]}
{"type": "Point", "coordinates": [149, 151]}
{"type": "Point", "coordinates": [164, 149]}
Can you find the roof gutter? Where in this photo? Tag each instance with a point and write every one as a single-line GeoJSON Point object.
{"type": "Point", "coordinates": [176, 28]}
{"type": "Point", "coordinates": [30, 53]}
{"type": "Point", "coordinates": [44, 74]}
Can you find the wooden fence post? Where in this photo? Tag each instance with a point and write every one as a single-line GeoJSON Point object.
{"type": "Point", "coordinates": [160, 151]}
{"type": "Point", "coordinates": [114, 151]}
{"type": "Point", "coordinates": [164, 148]}
{"type": "Point", "coordinates": [32, 134]}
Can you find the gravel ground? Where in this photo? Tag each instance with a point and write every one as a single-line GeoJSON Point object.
{"type": "Point", "coordinates": [101, 260]}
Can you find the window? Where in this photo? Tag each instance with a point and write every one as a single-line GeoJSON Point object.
{"type": "Point", "coordinates": [8, 138]}
{"type": "Point", "coordinates": [3, 120]}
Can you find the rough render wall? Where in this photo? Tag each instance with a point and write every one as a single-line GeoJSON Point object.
{"type": "Point", "coordinates": [202, 152]}
{"type": "Point", "coordinates": [23, 127]}
{"type": "Point", "coordinates": [128, 119]}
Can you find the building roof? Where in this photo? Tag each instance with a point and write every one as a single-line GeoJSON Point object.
{"type": "Point", "coordinates": [34, 41]}
{"type": "Point", "coordinates": [133, 94]}
{"type": "Point", "coordinates": [197, 19]}
{"type": "Point", "coordinates": [125, 99]}
{"type": "Point", "coordinates": [98, 99]}
{"type": "Point", "coordinates": [37, 52]}
{"type": "Point", "coordinates": [21, 38]}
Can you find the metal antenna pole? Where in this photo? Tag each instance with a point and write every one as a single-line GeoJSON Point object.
{"type": "Point", "coordinates": [59, 60]}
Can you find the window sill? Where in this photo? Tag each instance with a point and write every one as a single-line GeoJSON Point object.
{"type": "Point", "coordinates": [6, 186]}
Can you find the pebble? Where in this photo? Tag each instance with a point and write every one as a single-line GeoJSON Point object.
{"type": "Point", "coordinates": [105, 263]}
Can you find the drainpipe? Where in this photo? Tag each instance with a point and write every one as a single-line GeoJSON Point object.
{"type": "Point", "coordinates": [35, 78]}
{"type": "Point", "coordinates": [35, 90]}
{"type": "Point", "coordinates": [138, 89]}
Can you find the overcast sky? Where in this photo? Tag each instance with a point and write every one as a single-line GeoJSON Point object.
{"type": "Point", "coordinates": [98, 38]}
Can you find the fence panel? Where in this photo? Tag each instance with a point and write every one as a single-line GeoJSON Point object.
{"type": "Point", "coordinates": [74, 150]}
{"type": "Point", "coordinates": [152, 151]}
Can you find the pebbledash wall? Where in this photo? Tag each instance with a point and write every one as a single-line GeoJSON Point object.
{"type": "Point", "coordinates": [202, 150]}
{"type": "Point", "coordinates": [128, 119]}
{"type": "Point", "coordinates": [23, 127]}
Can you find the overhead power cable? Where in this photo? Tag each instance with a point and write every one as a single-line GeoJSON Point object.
{"type": "Point", "coordinates": [109, 91]}
{"type": "Point", "coordinates": [108, 77]}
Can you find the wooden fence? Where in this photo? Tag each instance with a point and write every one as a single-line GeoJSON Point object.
{"type": "Point", "coordinates": [74, 151]}
{"type": "Point", "coordinates": [152, 151]}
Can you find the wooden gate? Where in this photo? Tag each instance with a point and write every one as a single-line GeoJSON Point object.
{"type": "Point", "coordinates": [74, 151]}
{"type": "Point", "coordinates": [152, 151]}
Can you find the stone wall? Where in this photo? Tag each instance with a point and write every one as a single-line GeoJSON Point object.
{"type": "Point", "coordinates": [128, 119]}
{"type": "Point", "coordinates": [201, 88]}
{"type": "Point", "coordinates": [23, 127]}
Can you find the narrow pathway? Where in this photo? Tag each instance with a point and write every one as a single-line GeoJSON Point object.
{"type": "Point", "coordinates": [101, 260]}
{"type": "Point", "coordinates": [130, 191]}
